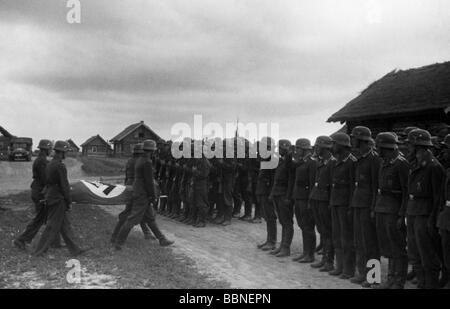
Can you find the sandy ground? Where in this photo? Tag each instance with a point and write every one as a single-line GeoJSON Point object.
{"type": "Point", "coordinates": [226, 253]}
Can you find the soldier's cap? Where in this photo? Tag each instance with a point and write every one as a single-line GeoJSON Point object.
{"type": "Point", "coordinates": [341, 139]}
{"type": "Point", "coordinates": [45, 144]}
{"type": "Point", "coordinates": [303, 143]}
{"type": "Point", "coordinates": [324, 142]}
{"type": "Point", "coordinates": [387, 140]}
{"type": "Point", "coordinates": [446, 141]}
{"type": "Point", "coordinates": [284, 143]}
{"type": "Point", "coordinates": [138, 148]}
{"type": "Point", "coordinates": [62, 146]}
{"type": "Point", "coordinates": [419, 137]}
{"type": "Point", "coordinates": [361, 133]}
{"type": "Point", "coordinates": [149, 145]}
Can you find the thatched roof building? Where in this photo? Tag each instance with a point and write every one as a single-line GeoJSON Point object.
{"type": "Point", "coordinates": [416, 97]}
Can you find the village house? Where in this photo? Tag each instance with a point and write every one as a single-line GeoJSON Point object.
{"type": "Point", "coordinates": [124, 142]}
{"type": "Point", "coordinates": [416, 97]}
{"type": "Point", "coordinates": [73, 147]}
{"type": "Point", "coordinates": [96, 146]}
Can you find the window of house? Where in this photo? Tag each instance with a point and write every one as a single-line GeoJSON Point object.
{"type": "Point", "coordinates": [94, 149]}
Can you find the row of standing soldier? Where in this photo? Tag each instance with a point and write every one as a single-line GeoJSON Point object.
{"type": "Point", "coordinates": [366, 198]}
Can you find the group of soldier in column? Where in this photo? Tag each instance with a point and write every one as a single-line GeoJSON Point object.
{"type": "Point", "coordinates": [366, 198]}
{"type": "Point", "coordinates": [354, 198]}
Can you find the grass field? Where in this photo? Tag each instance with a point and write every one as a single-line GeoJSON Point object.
{"type": "Point", "coordinates": [141, 264]}
{"type": "Point", "coordinates": [98, 166]}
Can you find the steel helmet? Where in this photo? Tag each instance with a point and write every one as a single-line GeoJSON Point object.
{"type": "Point", "coordinates": [149, 145]}
{"type": "Point", "coordinates": [324, 142]}
{"type": "Point", "coordinates": [419, 137]}
{"type": "Point", "coordinates": [284, 143]}
{"type": "Point", "coordinates": [446, 141]}
{"type": "Point", "coordinates": [62, 146]}
{"type": "Point", "coordinates": [361, 133]}
{"type": "Point", "coordinates": [45, 144]}
{"type": "Point", "coordinates": [303, 143]}
{"type": "Point", "coordinates": [387, 140]}
{"type": "Point", "coordinates": [341, 139]}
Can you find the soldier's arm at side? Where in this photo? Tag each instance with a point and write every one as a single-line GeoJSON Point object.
{"type": "Point", "coordinates": [403, 173]}
{"type": "Point", "coordinates": [148, 180]}
{"type": "Point", "coordinates": [375, 169]}
{"type": "Point", "coordinates": [64, 183]}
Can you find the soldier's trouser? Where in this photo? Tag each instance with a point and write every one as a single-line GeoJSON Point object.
{"type": "Point", "coordinates": [423, 252]}
{"type": "Point", "coordinates": [270, 217]}
{"type": "Point", "coordinates": [343, 243]}
{"type": "Point", "coordinates": [305, 220]}
{"type": "Point", "coordinates": [366, 243]}
{"type": "Point", "coordinates": [285, 210]}
{"type": "Point", "coordinates": [38, 221]}
{"type": "Point", "coordinates": [57, 222]}
{"type": "Point", "coordinates": [258, 208]}
{"type": "Point", "coordinates": [227, 197]}
{"type": "Point", "coordinates": [123, 217]}
{"type": "Point", "coordinates": [392, 244]}
{"type": "Point", "coordinates": [201, 202]}
{"type": "Point", "coordinates": [175, 199]}
{"type": "Point", "coordinates": [213, 201]}
{"type": "Point", "coordinates": [445, 240]}
{"type": "Point", "coordinates": [324, 216]}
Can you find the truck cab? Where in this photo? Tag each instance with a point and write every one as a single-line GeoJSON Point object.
{"type": "Point", "coordinates": [20, 149]}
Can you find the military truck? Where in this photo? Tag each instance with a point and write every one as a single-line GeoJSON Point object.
{"type": "Point", "coordinates": [20, 149]}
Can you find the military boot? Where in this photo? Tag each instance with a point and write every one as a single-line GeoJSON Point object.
{"type": "Point", "coordinates": [358, 279]}
{"type": "Point", "coordinates": [226, 223]}
{"type": "Point", "coordinates": [319, 264]}
{"type": "Point", "coordinates": [339, 263]}
{"type": "Point", "coordinates": [284, 252]}
{"type": "Point", "coordinates": [390, 277]}
{"type": "Point", "coordinates": [327, 267]}
{"type": "Point", "coordinates": [271, 236]}
{"type": "Point", "coordinates": [283, 237]}
{"type": "Point", "coordinates": [219, 219]}
{"type": "Point", "coordinates": [299, 258]}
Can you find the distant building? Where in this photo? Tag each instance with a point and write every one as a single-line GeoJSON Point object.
{"type": "Point", "coordinates": [416, 97]}
{"type": "Point", "coordinates": [136, 133]}
{"type": "Point", "coordinates": [96, 146]}
{"type": "Point", "coordinates": [73, 147]}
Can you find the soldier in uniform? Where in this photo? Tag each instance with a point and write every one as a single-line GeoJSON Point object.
{"type": "Point", "coordinates": [58, 202]}
{"type": "Point", "coordinates": [263, 188]}
{"type": "Point", "coordinates": [443, 222]}
{"type": "Point", "coordinates": [143, 196]}
{"type": "Point", "coordinates": [390, 208]}
{"type": "Point", "coordinates": [228, 167]}
{"type": "Point", "coordinates": [425, 189]}
{"type": "Point", "coordinates": [342, 187]}
{"type": "Point", "coordinates": [305, 177]}
{"type": "Point", "coordinates": [37, 196]}
{"type": "Point", "coordinates": [281, 196]}
{"type": "Point", "coordinates": [200, 172]}
{"type": "Point", "coordinates": [138, 150]}
{"type": "Point", "coordinates": [320, 201]}
{"type": "Point", "coordinates": [363, 202]}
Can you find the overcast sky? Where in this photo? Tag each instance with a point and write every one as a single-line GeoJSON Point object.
{"type": "Point", "coordinates": [291, 62]}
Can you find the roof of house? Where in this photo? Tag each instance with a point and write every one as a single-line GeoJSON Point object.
{"type": "Point", "coordinates": [5, 133]}
{"type": "Point", "coordinates": [414, 90]}
{"type": "Point", "coordinates": [72, 143]}
{"type": "Point", "coordinates": [131, 128]}
{"type": "Point", "coordinates": [92, 138]}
